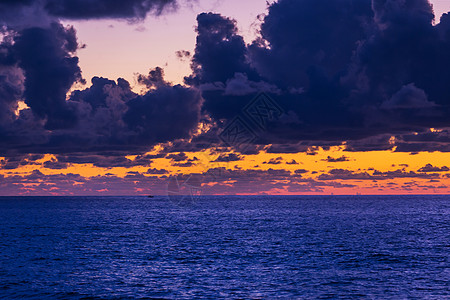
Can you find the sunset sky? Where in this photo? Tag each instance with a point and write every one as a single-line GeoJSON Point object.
{"type": "Point", "coordinates": [227, 97]}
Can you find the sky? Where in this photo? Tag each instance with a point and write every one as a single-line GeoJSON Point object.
{"type": "Point", "coordinates": [118, 35]}
{"type": "Point", "coordinates": [152, 39]}
{"type": "Point", "coordinates": [224, 97]}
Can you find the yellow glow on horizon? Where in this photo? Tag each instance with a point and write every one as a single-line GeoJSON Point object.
{"type": "Point", "coordinates": [315, 165]}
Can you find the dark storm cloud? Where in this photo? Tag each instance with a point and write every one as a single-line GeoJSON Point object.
{"type": "Point", "coordinates": [160, 115]}
{"type": "Point", "coordinates": [310, 41]}
{"type": "Point", "coordinates": [112, 120]}
{"type": "Point", "coordinates": [50, 69]}
{"type": "Point", "coordinates": [39, 49]}
{"type": "Point", "coordinates": [344, 70]}
{"type": "Point", "coordinates": [96, 9]}
{"type": "Point", "coordinates": [358, 72]}
{"type": "Point", "coordinates": [11, 89]}
{"type": "Point", "coordinates": [101, 92]}
{"type": "Point", "coordinates": [164, 114]}
{"type": "Point", "coordinates": [11, 86]}
{"type": "Point", "coordinates": [38, 65]}
{"type": "Point", "coordinates": [220, 52]}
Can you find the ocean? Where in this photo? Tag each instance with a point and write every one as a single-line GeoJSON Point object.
{"type": "Point", "coordinates": [216, 247]}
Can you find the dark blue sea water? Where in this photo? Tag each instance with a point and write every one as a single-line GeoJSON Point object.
{"type": "Point", "coordinates": [225, 247]}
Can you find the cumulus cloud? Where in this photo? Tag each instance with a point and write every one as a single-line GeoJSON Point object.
{"type": "Point", "coordinates": [346, 72]}
{"type": "Point", "coordinates": [165, 114]}
{"type": "Point", "coordinates": [50, 69]}
{"type": "Point", "coordinates": [366, 69]}
{"type": "Point", "coordinates": [39, 65]}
